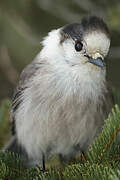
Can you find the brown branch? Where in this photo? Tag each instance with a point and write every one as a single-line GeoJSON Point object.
{"type": "Point", "coordinates": [109, 142]}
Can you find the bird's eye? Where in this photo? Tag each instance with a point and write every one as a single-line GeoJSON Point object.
{"type": "Point", "coordinates": [78, 46]}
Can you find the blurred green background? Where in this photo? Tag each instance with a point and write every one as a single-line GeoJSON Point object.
{"type": "Point", "coordinates": [23, 24]}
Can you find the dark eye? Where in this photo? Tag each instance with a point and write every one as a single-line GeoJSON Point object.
{"type": "Point", "coordinates": [78, 46]}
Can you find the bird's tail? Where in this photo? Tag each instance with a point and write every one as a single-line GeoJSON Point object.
{"type": "Point", "coordinates": [13, 146]}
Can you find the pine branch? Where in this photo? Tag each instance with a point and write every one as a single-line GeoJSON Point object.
{"type": "Point", "coordinates": [107, 142]}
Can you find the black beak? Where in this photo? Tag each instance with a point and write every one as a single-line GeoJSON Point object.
{"type": "Point", "coordinates": [98, 61]}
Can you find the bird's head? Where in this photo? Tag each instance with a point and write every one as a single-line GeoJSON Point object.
{"type": "Point", "coordinates": [85, 43]}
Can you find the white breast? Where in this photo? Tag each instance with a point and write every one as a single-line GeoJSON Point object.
{"type": "Point", "coordinates": [59, 111]}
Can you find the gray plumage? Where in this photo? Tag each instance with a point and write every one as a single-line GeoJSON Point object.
{"type": "Point", "coordinates": [62, 99]}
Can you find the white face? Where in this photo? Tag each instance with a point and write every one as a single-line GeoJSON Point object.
{"type": "Point", "coordinates": [95, 44]}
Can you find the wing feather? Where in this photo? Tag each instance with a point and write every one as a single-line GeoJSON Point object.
{"type": "Point", "coordinates": [26, 76]}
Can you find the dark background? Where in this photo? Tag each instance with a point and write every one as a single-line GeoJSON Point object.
{"type": "Point", "coordinates": [23, 24]}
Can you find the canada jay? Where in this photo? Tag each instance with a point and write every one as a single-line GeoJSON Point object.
{"type": "Point", "coordinates": [63, 97]}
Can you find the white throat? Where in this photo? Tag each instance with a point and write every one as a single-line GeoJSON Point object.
{"type": "Point", "coordinates": [87, 79]}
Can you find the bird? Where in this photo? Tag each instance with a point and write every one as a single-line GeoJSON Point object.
{"type": "Point", "coordinates": [63, 95]}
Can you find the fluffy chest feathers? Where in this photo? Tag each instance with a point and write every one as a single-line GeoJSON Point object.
{"type": "Point", "coordinates": [63, 109]}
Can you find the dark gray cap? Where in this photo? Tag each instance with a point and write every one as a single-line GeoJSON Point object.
{"type": "Point", "coordinates": [88, 24]}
